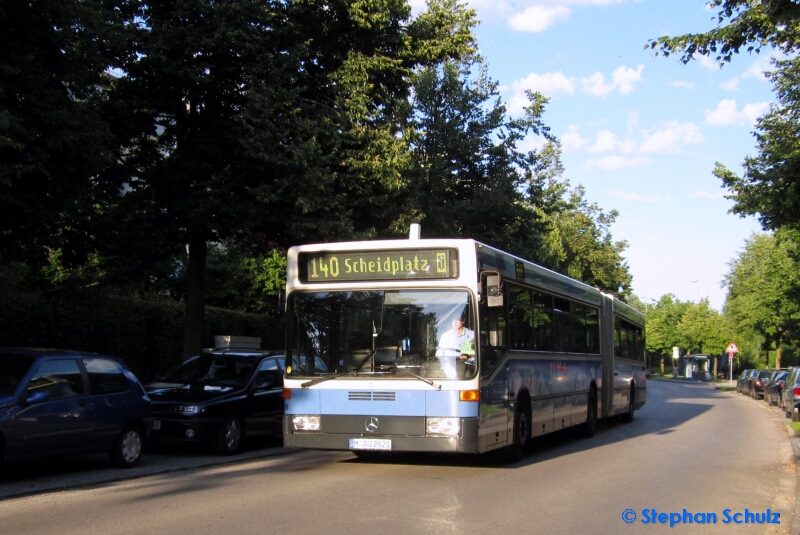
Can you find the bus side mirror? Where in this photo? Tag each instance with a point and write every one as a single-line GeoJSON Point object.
{"type": "Point", "coordinates": [494, 294]}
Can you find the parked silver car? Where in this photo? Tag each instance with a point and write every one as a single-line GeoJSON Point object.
{"type": "Point", "coordinates": [791, 392]}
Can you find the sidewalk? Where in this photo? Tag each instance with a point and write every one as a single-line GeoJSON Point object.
{"type": "Point", "coordinates": [793, 440]}
{"type": "Point", "coordinates": [26, 479]}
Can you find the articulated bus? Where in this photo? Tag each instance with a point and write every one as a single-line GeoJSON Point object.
{"type": "Point", "coordinates": [449, 345]}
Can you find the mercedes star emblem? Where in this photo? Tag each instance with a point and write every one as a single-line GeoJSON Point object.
{"type": "Point", "coordinates": [371, 424]}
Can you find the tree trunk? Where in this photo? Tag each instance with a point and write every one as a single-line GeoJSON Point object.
{"type": "Point", "coordinates": [778, 351]}
{"type": "Point", "coordinates": [195, 310]}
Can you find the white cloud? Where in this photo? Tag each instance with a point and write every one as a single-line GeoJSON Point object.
{"type": "Point", "coordinates": [670, 138]}
{"type": "Point", "coordinates": [636, 197]}
{"type": "Point", "coordinates": [610, 163]}
{"type": "Point", "coordinates": [665, 140]}
{"type": "Point", "coordinates": [548, 84]}
{"type": "Point", "coordinates": [730, 85]}
{"type": "Point", "coordinates": [701, 194]}
{"type": "Point", "coordinates": [537, 18]}
{"type": "Point", "coordinates": [572, 141]}
{"type": "Point", "coordinates": [606, 141]}
{"type": "Point", "coordinates": [727, 113]}
{"type": "Point", "coordinates": [623, 79]}
{"type": "Point", "coordinates": [682, 85]}
{"type": "Point", "coordinates": [755, 70]}
{"type": "Point", "coordinates": [596, 85]}
{"type": "Point", "coordinates": [707, 62]}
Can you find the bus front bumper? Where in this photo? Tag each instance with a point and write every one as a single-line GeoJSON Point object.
{"type": "Point", "coordinates": [465, 442]}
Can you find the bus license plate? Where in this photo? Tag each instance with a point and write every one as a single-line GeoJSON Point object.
{"type": "Point", "coordinates": [381, 444]}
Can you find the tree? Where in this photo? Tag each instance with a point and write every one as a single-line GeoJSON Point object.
{"type": "Point", "coordinates": [580, 244]}
{"type": "Point", "coordinates": [702, 329]}
{"type": "Point", "coordinates": [467, 176]}
{"type": "Point", "coordinates": [770, 186]}
{"type": "Point", "coordinates": [750, 24]}
{"type": "Point", "coordinates": [53, 140]}
{"type": "Point", "coordinates": [663, 321]}
{"type": "Point", "coordinates": [763, 286]}
{"type": "Point", "coordinates": [250, 120]}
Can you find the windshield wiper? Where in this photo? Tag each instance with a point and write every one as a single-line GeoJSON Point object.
{"type": "Point", "coordinates": [421, 378]}
{"type": "Point", "coordinates": [319, 380]}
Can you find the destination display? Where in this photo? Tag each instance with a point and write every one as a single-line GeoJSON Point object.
{"type": "Point", "coordinates": [384, 265]}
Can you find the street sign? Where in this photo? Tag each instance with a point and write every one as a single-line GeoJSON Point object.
{"type": "Point", "coordinates": [732, 348]}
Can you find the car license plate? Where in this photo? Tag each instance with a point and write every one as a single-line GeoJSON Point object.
{"type": "Point", "coordinates": [156, 425]}
{"type": "Point", "coordinates": [380, 444]}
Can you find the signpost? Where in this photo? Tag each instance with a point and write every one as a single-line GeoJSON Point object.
{"type": "Point", "coordinates": [732, 348]}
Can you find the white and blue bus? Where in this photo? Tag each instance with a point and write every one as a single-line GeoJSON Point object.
{"type": "Point", "coordinates": [449, 345]}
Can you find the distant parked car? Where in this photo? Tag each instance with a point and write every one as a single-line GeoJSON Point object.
{"type": "Point", "coordinates": [773, 390]}
{"type": "Point", "coordinates": [219, 397]}
{"type": "Point", "coordinates": [757, 381]}
{"type": "Point", "coordinates": [742, 380]}
{"type": "Point", "coordinates": [58, 403]}
{"type": "Point", "coordinates": [791, 391]}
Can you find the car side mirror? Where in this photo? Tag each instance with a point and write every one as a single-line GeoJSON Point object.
{"type": "Point", "coordinates": [37, 397]}
{"type": "Point", "coordinates": [264, 384]}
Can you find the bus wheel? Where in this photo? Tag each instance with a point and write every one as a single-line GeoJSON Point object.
{"type": "Point", "coordinates": [628, 416]}
{"type": "Point", "coordinates": [590, 426]}
{"type": "Point", "coordinates": [522, 435]}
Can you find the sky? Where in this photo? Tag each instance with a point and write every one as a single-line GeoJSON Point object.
{"type": "Point", "coordinates": [641, 133]}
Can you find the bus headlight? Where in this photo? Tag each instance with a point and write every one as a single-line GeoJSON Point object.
{"type": "Point", "coordinates": [447, 427]}
{"type": "Point", "coordinates": [306, 423]}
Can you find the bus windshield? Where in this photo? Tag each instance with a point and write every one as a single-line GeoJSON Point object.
{"type": "Point", "coordinates": [393, 333]}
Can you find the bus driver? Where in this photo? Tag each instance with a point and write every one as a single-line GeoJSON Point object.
{"type": "Point", "coordinates": [455, 347]}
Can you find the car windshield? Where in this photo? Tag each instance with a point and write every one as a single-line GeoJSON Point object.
{"type": "Point", "coordinates": [427, 333]}
{"type": "Point", "coordinates": [12, 369]}
{"type": "Point", "coordinates": [212, 370]}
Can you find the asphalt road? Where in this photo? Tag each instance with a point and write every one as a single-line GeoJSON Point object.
{"type": "Point", "coordinates": [691, 447]}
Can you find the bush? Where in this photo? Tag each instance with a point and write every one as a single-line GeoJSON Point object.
{"type": "Point", "coordinates": [146, 333]}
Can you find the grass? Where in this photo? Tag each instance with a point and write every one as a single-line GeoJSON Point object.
{"type": "Point", "coordinates": [796, 427]}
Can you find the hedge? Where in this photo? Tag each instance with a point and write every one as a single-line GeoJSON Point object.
{"type": "Point", "coordinates": [146, 333]}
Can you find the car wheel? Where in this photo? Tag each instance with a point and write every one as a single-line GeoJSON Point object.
{"type": "Point", "coordinates": [590, 426]}
{"type": "Point", "coordinates": [127, 449]}
{"type": "Point", "coordinates": [230, 436]}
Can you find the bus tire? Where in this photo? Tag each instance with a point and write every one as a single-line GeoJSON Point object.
{"type": "Point", "coordinates": [590, 426]}
{"type": "Point", "coordinates": [522, 434]}
{"type": "Point", "coordinates": [627, 417]}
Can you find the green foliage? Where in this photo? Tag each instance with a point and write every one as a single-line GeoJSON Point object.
{"type": "Point", "coordinates": [751, 25]}
{"type": "Point", "coordinates": [53, 139]}
{"type": "Point", "coordinates": [763, 285]}
{"type": "Point", "coordinates": [692, 327]}
{"type": "Point", "coordinates": [145, 333]}
{"type": "Point", "coordinates": [172, 151]}
{"type": "Point", "coordinates": [580, 244]}
{"type": "Point", "coordinates": [770, 187]}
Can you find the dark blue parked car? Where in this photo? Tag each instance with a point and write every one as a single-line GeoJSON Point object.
{"type": "Point", "coordinates": [56, 403]}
